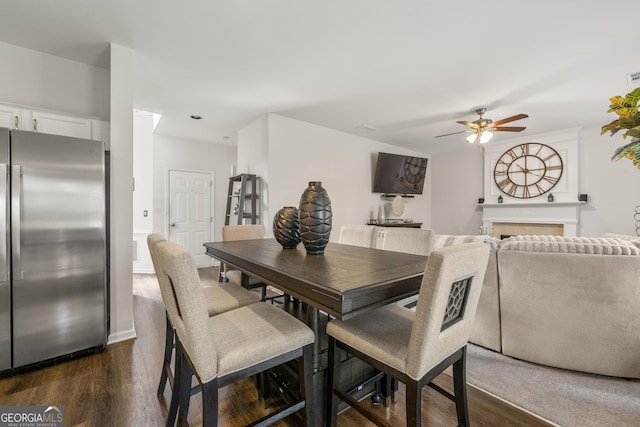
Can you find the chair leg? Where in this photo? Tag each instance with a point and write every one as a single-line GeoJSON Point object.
{"type": "Point", "coordinates": [210, 403]}
{"type": "Point", "coordinates": [166, 362]}
{"type": "Point", "coordinates": [305, 373]}
{"type": "Point", "coordinates": [175, 394]}
{"type": "Point", "coordinates": [413, 404]}
{"type": "Point", "coordinates": [331, 400]}
{"type": "Point", "coordinates": [460, 389]}
{"type": "Point", "coordinates": [184, 389]}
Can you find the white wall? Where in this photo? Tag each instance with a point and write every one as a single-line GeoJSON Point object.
{"type": "Point", "coordinates": [45, 81]}
{"type": "Point", "coordinates": [121, 131]}
{"type": "Point", "coordinates": [611, 186]}
{"type": "Point", "coordinates": [143, 193]}
{"type": "Point", "coordinates": [457, 183]}
{"type": "Point", "coordinates": [176, 153]}
{"type": "Point", "coordinates": [253, 158]}
{"type": "Point", "coordinates": [299, 152]}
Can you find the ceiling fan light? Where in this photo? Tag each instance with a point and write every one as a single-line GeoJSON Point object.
{"type": "Point", "coordinates": [485, 136]}
{"type": "Point", "coordinates": [472, 138]}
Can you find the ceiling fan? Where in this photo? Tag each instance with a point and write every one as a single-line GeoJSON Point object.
{"type": "Point", "coordinates": [483, 128]}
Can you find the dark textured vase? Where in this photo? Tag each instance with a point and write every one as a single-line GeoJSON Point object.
{"type": "Point", "coordinates": [315, 218]}
{"type": "Point", "coordinates": [286, 227]}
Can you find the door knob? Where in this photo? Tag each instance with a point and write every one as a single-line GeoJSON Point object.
{"type": "Point", "coordinates": [173, 224]}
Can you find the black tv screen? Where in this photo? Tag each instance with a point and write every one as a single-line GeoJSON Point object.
{"type": "Point", "coordinates": [398, 174]}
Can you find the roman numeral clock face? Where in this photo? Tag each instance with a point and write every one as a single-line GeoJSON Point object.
{"type": "Point", "coordinates": [528, 170]}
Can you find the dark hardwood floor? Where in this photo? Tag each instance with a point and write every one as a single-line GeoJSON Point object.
{"type": "Point", "coordinates": [118, 386]}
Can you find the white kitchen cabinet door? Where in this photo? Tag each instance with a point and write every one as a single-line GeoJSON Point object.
{"type": "Point", "coordinates": [59, 124]}
{"type": "Point", "coordinates": [10, 116]}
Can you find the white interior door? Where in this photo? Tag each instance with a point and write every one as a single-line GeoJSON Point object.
{"type": "Point", "coordinates": [190, 220]}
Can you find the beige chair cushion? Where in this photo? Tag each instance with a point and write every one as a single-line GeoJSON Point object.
{"type": "Point", "coordinates": [256, 333]}
{"type": "Point", "coordinates": [382, 333]}
{"type": "Point", "coordinates": [227, 296]}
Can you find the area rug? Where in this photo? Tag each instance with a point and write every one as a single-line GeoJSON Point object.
{"type": "Point", "coordinates": [566, 398]}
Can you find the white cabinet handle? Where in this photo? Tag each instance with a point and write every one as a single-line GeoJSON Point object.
{"type": "Point", "coordinates": [35, 125]}
{"type": "Point", "coordinates": [15, 122]}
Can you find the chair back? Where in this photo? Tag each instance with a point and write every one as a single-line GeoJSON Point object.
{"type": "Point", "coordinates": [152, 240]}
{"type": "Point", "coordinates": [166, 290]}
{"type": "Point", "coordinates": [231, 233]}
{"type": "Point", "coordinates": [358, 235]}
{"type": "Point", "coordinates": [447, 305]}
{"type": "Point", "coordinates": [408, 240]}
{"type": "Point", "coordinates": [182, 295]}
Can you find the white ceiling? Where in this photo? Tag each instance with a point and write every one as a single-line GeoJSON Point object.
{"type": "Point", "coordinates": [409, 69]}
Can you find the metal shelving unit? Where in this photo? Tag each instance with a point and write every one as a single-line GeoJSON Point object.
{"type": "Point", "coordinates": [243, 190]}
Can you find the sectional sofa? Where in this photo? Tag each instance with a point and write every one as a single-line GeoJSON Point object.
{"type": "Point", "coordinates": [568, 302]}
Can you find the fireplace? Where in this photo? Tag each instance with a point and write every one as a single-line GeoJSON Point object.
{"type": "Point", "coordinates": [502, 230]}
{"type": "Point", "coordinates": [559, 219]}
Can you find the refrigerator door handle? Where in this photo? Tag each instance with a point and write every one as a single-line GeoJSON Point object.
{"type": "Point", "coordinates": [4, 211]}
{"type": "Point", "coordinates": [16, 201]}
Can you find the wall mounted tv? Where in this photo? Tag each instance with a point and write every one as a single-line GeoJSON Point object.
{"type": "Point", "coordinates": [398, 174]}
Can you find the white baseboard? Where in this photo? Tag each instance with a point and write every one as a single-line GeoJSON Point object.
{"type": "Point", "coordinates": [121, 336]}
{"type": "Point", "coordinates": [143, 270]}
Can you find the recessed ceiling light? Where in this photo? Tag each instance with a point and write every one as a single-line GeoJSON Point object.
{"type": "Point", "coordinates": [196, 117]}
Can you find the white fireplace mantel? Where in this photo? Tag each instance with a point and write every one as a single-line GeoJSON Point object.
{"type": "Point", "coordinates": [565, 213]}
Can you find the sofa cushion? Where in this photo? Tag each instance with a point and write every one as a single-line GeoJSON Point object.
{"type": "Point", "coordinates": [564, 244]}
{"type": "Point", "coordinates": [635, 240]}
{"type": "Point", "coordinates": [443, 240]}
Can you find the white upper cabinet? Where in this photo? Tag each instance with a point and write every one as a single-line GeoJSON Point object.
{"type": "Point", "coordinates": [59, 124]}
{"type": "Point", "coordinates": [18, 117]}
{"type": "Point", "coordinates": [10, 116]}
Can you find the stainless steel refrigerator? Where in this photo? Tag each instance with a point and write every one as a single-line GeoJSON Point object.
{"type": "Point", "coordinates": [52, 247]}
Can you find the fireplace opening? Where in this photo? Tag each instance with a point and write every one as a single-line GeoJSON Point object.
{"type": "Point", "coordinates": [505, 230]}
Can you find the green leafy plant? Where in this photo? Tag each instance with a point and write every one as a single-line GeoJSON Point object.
{"type": "Point", "coordinates": [627, 109]}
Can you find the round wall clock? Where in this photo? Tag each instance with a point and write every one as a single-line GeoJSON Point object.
{"type": "Point", "coordinates": [528, 170]}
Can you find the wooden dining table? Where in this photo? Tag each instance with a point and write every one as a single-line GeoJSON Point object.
{"type": "Point", "coordinates": [343, 282]}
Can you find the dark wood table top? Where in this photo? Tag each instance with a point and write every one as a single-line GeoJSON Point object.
{"type": "Point", "coordinates": [344, 281]}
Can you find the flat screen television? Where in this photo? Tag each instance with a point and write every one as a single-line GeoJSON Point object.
{"type": "Point", "coordinates": [398, 174]}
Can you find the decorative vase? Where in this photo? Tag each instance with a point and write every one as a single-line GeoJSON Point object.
{"type": "Point", "coordinates": [286, 227]}
{"type": "Point", "coordinates": [315, 218]}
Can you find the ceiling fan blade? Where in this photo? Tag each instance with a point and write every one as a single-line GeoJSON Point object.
{"type": "Point", "coordinates": [454, 133]}
{"type": "Point", "coordinates": [508, 129]}
{"type": "Point", "coordinates": [466, 123]}
{"type": "Point", "coordinates": [510, 119]}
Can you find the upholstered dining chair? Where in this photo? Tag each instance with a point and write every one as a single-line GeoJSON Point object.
{"type": "Point", "coordinates": [218, 298]}
{"type": "Point", "coordinates": [232, 233]}
{"type": "Point", "coordinates": [358, 235]}
{"type": "Point", "coordinates": [408, 240]}
{"type": "Point", "coordinates": [222, 349]}
{"type": "Point", "coordinates": [414, 347]}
